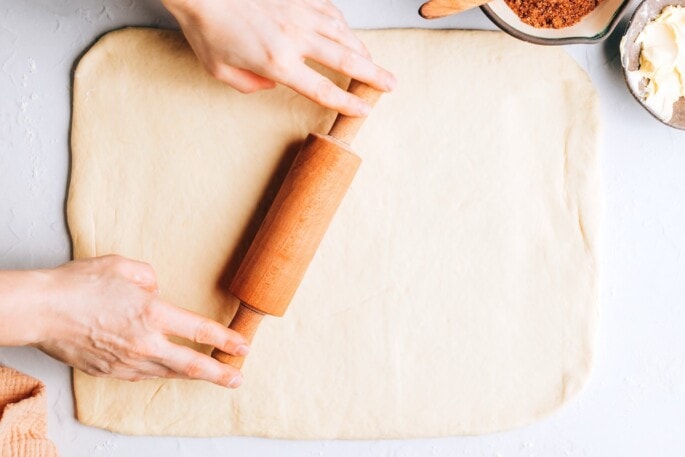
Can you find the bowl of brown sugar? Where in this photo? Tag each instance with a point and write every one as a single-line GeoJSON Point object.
{"type": "Point", "coordinates": [555, 22]}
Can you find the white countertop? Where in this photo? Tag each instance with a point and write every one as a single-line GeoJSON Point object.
{"type": "Point", "coordinates": [634, 404]}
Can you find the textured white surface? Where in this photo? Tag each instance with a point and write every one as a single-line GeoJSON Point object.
{"type": "Point", "coordinates": [634, 404]}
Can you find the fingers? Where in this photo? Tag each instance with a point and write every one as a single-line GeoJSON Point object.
{"type": "Point", "coordinates": [353, 64]}
{"type": "Point", "coordinates": [169, 361]}
{"type": "Point", "coordinates": [185, 362]}
{"type": "Point", "coordinates": [125, 336]}
{"type": "Point", "coordinates": [338, 32]}
{"type": "Point", "coordinates": [331, 24]}
{"type": "Point", "coordinates": [176, 321]}
{"type": "Point", "coordinates": [141, 371]}
{"type": "Point", "coordinates": [321, 90]}
{"type": "Point", "coordinates": [335, 46]}
{"type": "Point", "coordinates": [244, 81]}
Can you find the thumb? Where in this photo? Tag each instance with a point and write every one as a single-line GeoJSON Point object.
{"type": "Point", "coordinates": [242, 80]}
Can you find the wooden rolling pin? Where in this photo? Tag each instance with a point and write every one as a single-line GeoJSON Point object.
{"type": "Point", "coordinates": [293, 228]}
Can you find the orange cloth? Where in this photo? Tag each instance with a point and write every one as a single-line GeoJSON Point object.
{"type": "Point", "coordinates": [23, 416]}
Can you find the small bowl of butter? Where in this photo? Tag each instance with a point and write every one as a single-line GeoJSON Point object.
{"type": "Point", "coordinates": [653, 58]}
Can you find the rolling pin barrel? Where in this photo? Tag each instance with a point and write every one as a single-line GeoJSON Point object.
{"type": "Point", "coordinates": [287, 240]}
{"type": "Point", "coordinates": [295, 225]}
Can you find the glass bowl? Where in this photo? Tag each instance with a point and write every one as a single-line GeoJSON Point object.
{"type": "Point", "coordinates": [593, 28]}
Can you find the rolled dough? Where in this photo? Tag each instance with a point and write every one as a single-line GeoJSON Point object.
{"type": "Point", "coordinates": [456, 291]}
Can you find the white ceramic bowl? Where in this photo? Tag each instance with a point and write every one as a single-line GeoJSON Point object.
{"type": "Point", "coordinates": [593, 28]}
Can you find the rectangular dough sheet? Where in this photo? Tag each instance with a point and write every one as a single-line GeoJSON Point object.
{"type": "Point", "coordinates": [456, 290]}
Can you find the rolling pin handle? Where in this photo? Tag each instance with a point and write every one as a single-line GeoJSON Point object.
{"type": "Point", "coordinates": [345, 128]}
{"type": "Point", "coordinates": [245, 322]}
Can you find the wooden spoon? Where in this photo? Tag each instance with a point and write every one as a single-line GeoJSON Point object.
{"type": "Point", "coordinates": [434, 9]}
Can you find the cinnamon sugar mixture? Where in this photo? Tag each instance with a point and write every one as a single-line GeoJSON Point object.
{"type": "Point", "coordinates": [551, 14]}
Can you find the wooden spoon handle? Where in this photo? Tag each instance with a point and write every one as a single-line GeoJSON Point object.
{"type": "Point", "coordinates": [435, 9]}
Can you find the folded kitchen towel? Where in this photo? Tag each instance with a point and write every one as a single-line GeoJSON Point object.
{"type": "Point", "coordinates": [23, 416]}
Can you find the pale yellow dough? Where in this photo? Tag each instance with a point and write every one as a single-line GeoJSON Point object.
{"type": "Point", "coordinates": [456, 290]}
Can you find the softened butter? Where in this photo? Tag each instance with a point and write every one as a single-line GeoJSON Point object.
{"type": "Point", "coordinates": [662, 61]}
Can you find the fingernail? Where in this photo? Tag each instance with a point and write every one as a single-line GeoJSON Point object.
{"type": "Point", "coordinates": [390, 83]}
{"type": "Point", "coordinates": [235, 381]}
{"type": "Point", "coordinates": [242, 349]}
{"type": "Point", "coordinates": [364, 109]}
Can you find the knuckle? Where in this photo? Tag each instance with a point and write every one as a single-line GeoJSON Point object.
{"type": "Point", "coordinates": [276, 57]}
{"type": "Point", "coordinates": [349, 61]}
{"type": "Point", "coordinates": [146, 269]}
{"type": "Point", "coordinates": [167, 373]}
{"type": "Point", "coordinates": [277, 64]}
{"type": "Point", "coordinates": [102, 367]}
{"type": "Point", "coordinates": [119, 368]}
{"type": "Point", "coordinates": [120, 265]}
{"type": "Point", "coordinates": [143, 273]}
{"type": "Point", "coordinates": [335, 29]}
{"type": "Point", "coordinates": [91, 370]}
{"type": "Point", "coordinates": [150, 313]}
{"type": "Point", "coordinates": [204, 333]}
{"type": "Point", "coordinates": [140, 350]}
{"type": "Point", "coordinates": [106, 369]}
{"type": "Point", "coordinates": [287, 27]}
{"type": "Point", "coordinates": [358, 46]}
{"type": "Point", "coordinates": [226, 377]}
{"type": "Point", "coordinates": [324, 91]}
{"type": "Point", "coordinates": [195, 369]}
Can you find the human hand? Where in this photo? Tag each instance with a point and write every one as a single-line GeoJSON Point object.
{"type": "Point", "coordinates": [254, 44]}
{"type": "Point", "coordinates": [104, 316]}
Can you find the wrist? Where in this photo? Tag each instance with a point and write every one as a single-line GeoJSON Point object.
{"type": "Point", "coordinates": [24, 305]}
